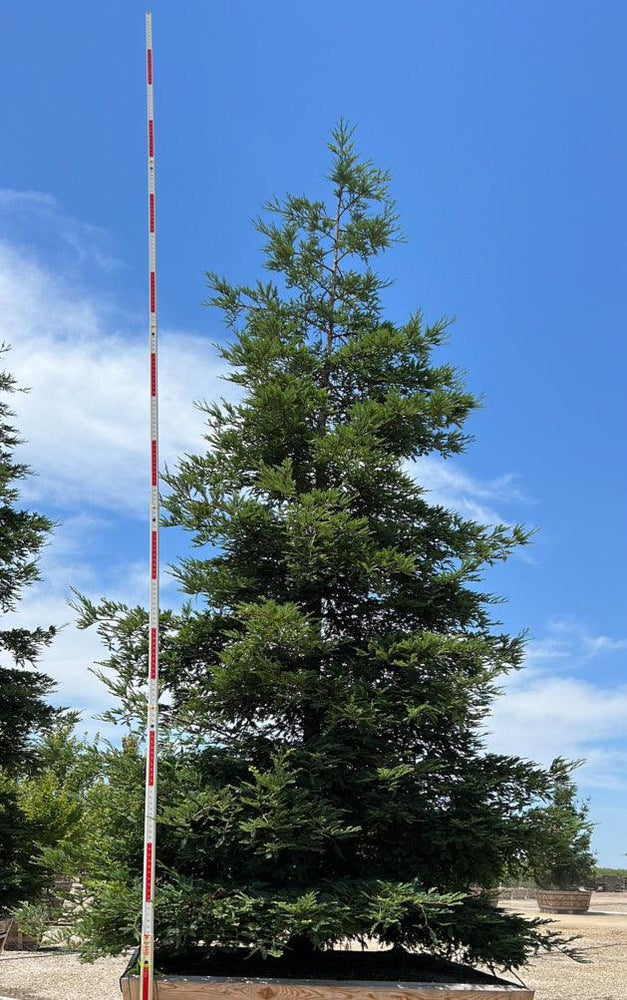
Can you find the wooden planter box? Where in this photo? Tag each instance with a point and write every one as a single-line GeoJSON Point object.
{"type": "Point", "coordinates": [5, 927]}
{"type": "Point", "coordinates": [219, 988]}
{"type": "Point", "coordinates": [563, 900]}
{"type": "Point", "coordinates": [17, 940]}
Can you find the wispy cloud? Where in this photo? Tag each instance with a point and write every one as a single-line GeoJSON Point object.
{"type": "Point", "coordinates": [36, 218]}
{"type": "Point", "coordinates": [478, 499]}
{"type": "Point", "coordinates": [571, 644]}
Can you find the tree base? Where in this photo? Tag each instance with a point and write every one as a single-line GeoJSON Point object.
{"type": "Point", "coordinates": [369, 976]}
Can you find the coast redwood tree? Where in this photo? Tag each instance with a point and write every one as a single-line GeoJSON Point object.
{"type": "Point", "coordinates": [324, 773]}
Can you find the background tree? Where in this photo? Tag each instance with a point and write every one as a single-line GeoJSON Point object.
{"type": "Point", "coordinates": [324, 770]}
{"type": "Point", "coordinates": [21, 877]}
{"type": "Point", "coordinates": [562, 857]}
{"type": "Point", "coordinates": [24, 711]}
{"type": "Point", "coordinates": [54, 798]}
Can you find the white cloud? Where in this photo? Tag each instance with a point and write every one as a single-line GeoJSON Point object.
{"type": "Point", "coordinates": [71, 654]}
{"type": "Point", "coordinates": [542, 716]}
{"type": "Point", "coordinates": [74, 651]}
{"type": "Point", "coordinates": [86, 423]}
{"type": "Point", "coordinates": [545, 711]}
{"type": "Point", "coordinates": [86, 415]}
{"type": "Point", "coordinates": [457, 490]}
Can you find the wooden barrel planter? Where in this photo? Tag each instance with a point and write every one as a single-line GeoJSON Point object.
{"type": "Point", "coordinates": [443, 981]}
{"type": "Point", "coordinates": [563, 900]}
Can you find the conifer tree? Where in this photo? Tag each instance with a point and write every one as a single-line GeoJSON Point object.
{"type": "Point", "coordinates": [324, 769]}
{"type": "Point", "coordinates": [563, 855]}
{"type": "Point", "coordinates": [24, 711]}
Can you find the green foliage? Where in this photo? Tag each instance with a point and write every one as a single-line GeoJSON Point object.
{"type": "Point", "coordinates": [33, 919]}
{"type": "Point", "coordinates": [323, 769]}
{"type": "Point", "coordinates": [562, 858]}
{"type": "Point", "coordinates": [43, 819]}
{"type": "Point", "coordinates": [53, 799]}
{"type": "Point", "coordinates": [20, 875]}
{"type": "Point", "coordinates": [24, 711]}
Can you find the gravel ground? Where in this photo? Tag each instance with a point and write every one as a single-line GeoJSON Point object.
{"type": "Point", "coordinates": [50, 975]}
{"type": "Point", "coordinates": [603, 943]}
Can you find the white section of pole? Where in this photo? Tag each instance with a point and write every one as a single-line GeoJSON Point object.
{"type": "Point", "coordinates": [150, 814]}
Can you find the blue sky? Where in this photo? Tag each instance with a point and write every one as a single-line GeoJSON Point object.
{"type": "Point", "coordinates": [503, 125]}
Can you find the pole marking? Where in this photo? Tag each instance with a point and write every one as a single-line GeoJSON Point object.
{"type": "Point", "coordinates": [154, 554]}
{"type": "Point", "coordinates": [151, 758]}
{"type": "Point", "coordinates": [148, 873]}
{"type": "Point", "coordinates": [153, 654]}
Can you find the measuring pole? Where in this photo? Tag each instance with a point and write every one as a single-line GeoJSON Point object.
{"type": "Point", "coordinates": [150, 814]}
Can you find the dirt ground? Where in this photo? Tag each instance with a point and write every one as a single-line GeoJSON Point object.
{"type": "Point", "coordinates": [50, 975]}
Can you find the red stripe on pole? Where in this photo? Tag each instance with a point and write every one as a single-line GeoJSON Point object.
{"type": "Point", "coordinates": [151, 138]}
{"type": "Point", "coordinates": [153, 292]}
{"type": "Point", "coordinates": [148, 877]}
{"type": "Point", "coordinates": [151, 212]}
{"type": "Point", "coordinates": [154, 462]}
{"type": "Point", "coordinates": [145, 983]}
{"type": "Point", "coordinates": [153, 374]}
{"type": "Point", "coordinates": [149, 65]}
{"type": "Point", "coordinates": [151, 758]}
{"type": "Point", "coordinates": [153, 653]}
{"type": "Point", "coordinates": [153, 554]}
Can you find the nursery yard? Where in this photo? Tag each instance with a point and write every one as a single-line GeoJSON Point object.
{"type": "Point", "coordinates": [603, 941]}
{"type": "Point", "coordinates": [50, 975]}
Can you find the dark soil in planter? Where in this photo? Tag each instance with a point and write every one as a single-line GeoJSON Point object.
{"type": "Point", "coordinates": [393, 965]}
